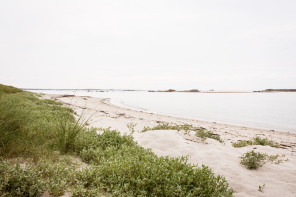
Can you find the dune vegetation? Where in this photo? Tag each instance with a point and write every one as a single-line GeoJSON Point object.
{"type": "Point", "coordinates": [41, 142]}
{"type": "Point", "coordinates": [199, 132]}
{"type": "Point", "coordinates": [256, 141]}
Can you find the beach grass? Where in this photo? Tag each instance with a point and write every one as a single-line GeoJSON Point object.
{"type": "Point", "coordinates": [199, 132]}
{"type": "Point", "coordinates": [35, 134]}
{"type": "Point", "coordinates": [256, 141]}
{"type": "Point", "coordinates": [8, 89]}
{"type": "Point", "coordinates": [254, 160]}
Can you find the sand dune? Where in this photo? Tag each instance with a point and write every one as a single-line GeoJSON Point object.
{"type": "Point", "coordinates": [222, 158]}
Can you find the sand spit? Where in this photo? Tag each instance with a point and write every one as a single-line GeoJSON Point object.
{"type": "Point", "coordinates": [222, 158]}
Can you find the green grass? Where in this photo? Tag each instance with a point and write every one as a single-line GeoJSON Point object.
{"type": "Point", "coordinates": [28, 125]}
{"type": "Point", "coordinates": [256, 141]}
{"type": "Point", "coordinates": [37, 131]}
{"type": "Point", "coordinates": [242, 143]}
{"type": "Point", "coordinates": [265, 142]}
{"type": "Point", "coordinates": [131, 127]}
{"type": "Point", "coordinates": [167, 126]}
{"type": "Point", "coordinates": [33, 179]}
{"type": "Point", "coordinates": [199, 132]}
{"type": "Point", "coordinates": [67, 133]}
{"type": "Point", "coordinates": [203, 134]}
{"type": "Point", "coordinates": [253, 160]}
{"type": "Point", "coordinates": [8, 89]}
{"type": "Point", "coordinates": [129, 169]}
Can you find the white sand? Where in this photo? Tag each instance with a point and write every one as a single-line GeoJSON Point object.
{"type": "Point", "coordinates": [223, 159]}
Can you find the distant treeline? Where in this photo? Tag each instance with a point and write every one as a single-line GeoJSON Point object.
{"type": "Point", "coordinates": [277, 90]}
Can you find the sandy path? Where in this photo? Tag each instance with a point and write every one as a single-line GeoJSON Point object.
{"type": "Point", "coordinates": [222, 158]}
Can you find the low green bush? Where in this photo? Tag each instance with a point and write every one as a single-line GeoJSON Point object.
{"type": "Point", "coordinates": [131, 127]}
{"type": "Point", "coordinates": [58, 175]}
{"type": "Point", "coordinates": [124, 168]}
{"type": "Point", "coordinates": [265, 142]}
{"type": "Point", "coordinates": [165, 126]}
{"type": "Point", "coordinates": [242, 143]}
{"type": "Point", "coordinates": [81, 191]}
{"type": "Point", "coordinates": [31, 179]}
{"type": "Point", "coordinates": [20, 181]}
{"type": "Point", "coordinates": [253, 160]}
{"type": "Point", "coordinates": [203, 134]}
{"type": "Point", "coordinates": [256, 141]}
{"type": "Point", "coordinates": [137, 172]}
{"type": "Point", "coordinates": [199, 132]}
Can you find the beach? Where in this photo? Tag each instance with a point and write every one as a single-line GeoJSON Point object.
{"type": "Point", "coordinates": [276, 179]}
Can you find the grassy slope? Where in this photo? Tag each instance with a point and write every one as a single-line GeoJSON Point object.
{"type": "Point", "coordinates": [32, 131]}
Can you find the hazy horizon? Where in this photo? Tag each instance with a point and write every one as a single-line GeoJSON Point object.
{"type": "Point", "coordinates": [220, 45]}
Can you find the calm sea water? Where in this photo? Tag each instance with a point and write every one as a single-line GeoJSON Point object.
{"type": "Point", "coordinates": [275, 111]}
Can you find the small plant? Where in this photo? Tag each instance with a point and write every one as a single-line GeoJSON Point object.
{"type": "Point", "coordinates": [199, 132]}
{"type": "Point", "coordinates": [265, 142]}
{"type": "Point", "coordinates": [261, 188]}
{"type": "Point", "coordinates": [162, 126]}
{"type": "Point", "coordinates": [81, 191]}
{"type": "Point", "coordinates": [256, 141]}
{"type": "Point", "coordinates": [275, 159]}
{"type": "Point", "coordinates": [167, 126]}
{"type": "Point", "coordinates": [203, 134]}
{"type": "Point", "coordinates": [242, 143]}
{"type": "Point", "coordinates": [19, 181]}
{"type": "Point", "coordinates": [253, 160]}
{"type": "Point", "coordinates": [131, 127]}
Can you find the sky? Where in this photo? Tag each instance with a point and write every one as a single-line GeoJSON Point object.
{"type": "Point", "coordinates": [155, 44]}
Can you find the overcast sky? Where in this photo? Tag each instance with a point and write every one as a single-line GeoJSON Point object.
{"type": "Point", "coordinates": [152, 44]}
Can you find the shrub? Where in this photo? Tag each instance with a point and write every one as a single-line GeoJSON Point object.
{"type": "Point", "coordinates": [203, 134]}
{"type": "Point", "coordinates": [242, 143]}
{"type": "Point", "coordinates": [256, 141]}
{"type": "Point", "coordinates": [81, 191]}
{"type": "Point", "coordinates": [167, 126]}
{"type": "Point", "coordinates": [17, 181]}
{"type": "Point", "coordinates": [199, 132]}
{"type": "Point", "coordinates": [131, 127]}
{"type": "Point", "coordinates": [253, 160]}
{"type": "Point", "coordinates": [58, 175]}
{"type": "Point", "coordinates": [265, 142]}
{"type": "Point", "coordinates": [124, 168]}
{"type": "Point", "coordinates": [33, 179]}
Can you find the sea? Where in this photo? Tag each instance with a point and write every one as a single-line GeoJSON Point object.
{"type": "Point", "coordinates": [263, 110]}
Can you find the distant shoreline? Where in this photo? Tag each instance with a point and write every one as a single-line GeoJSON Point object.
{"type": "Point", "coordinates": [277, 90]}
{"type": "Point", "coordinates": [162, 91]}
